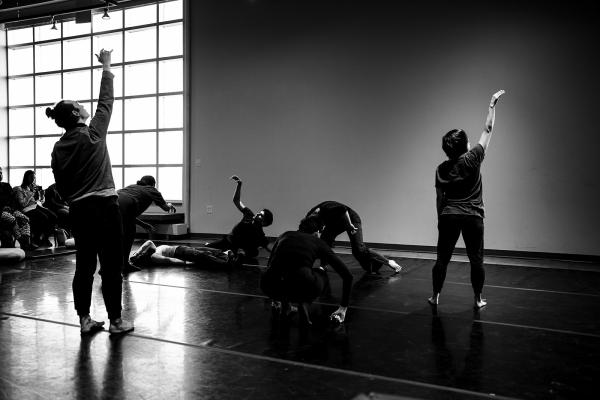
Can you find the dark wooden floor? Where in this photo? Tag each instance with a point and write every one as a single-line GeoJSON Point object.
{"type": "Point", "coordinates": [211, 334]}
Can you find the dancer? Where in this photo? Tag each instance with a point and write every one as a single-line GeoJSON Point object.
{"type": "Point", "coordinates": [29, 198]}
{"type": "Point", "coordinates": [290, 276]}
{"type": "Point", "coordinates": [149, 253]}
{"type": "Point", "coordinates": [83, 176]}
{"type": "Point", "coordinates": [336, 218]}
{"type": "Point", "coordinates": [460, 204]}
{"type": "Point", "coordinates": [247, 235]}
{"type": "Point", "coordinates": [133, 201]}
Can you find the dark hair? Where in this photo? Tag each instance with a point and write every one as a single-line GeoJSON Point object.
{"type": "Point", "coordinates": [147, 180]}
{"type": "Point", "coordinates": [26, 176]}
{"type": "Point", "coordinates": [310, 224]}
{"type": "Point", "coordinates": [268, 218]}
{"type": "Point", "coordinates": [62, 114]}
{"type": "Point", "coordinates": [454, 143]}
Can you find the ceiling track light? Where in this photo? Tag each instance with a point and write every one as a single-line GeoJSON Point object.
{"type": "Point", "coordinates": [105, 16]}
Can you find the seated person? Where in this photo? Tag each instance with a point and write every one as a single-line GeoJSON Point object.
{"type": "Point", "coordinates": [14, 225]}
{"type": "Point", "coordinates": [247, 235]}
{"type": "Point", "coordinates": [58, 206]}
{"type": "Point", "coordinates": [290, 276]}
{"type": "Point", "coordinates": [29, 198]}
{"type": "Point", "coordinates": [336, 218]}
{"type": "Point", "coordinates": [149, 253]}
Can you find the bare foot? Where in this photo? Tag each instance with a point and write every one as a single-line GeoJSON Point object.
{"type": "Point", "coordinates": [434, 300]}
{"type": "Point", "coordinates": [479, 302]}
{"type": "Point", "coordinates": [395, 266]}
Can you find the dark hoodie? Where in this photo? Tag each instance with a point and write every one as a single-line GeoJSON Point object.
{"type": "Point", "coordinates": [80, 160]}
{"type": "Point", "coordinates": [460, 183]}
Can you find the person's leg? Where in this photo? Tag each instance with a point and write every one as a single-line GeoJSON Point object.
{"type": "Point", "coordinates": [84, 216]}
{"type": "Point", "coordinates": [224, 243]}
{"type": "Point", "coordinates": [303, 286]}
{"type": "Point", "coordinates": [35, 223]}
{"type": "Point", "coordinates": [369, 260]}
{"type": "Point", "coordinates": [202, 255]}
{"type": "Point", "coordinates": [473, 235]}
{"type": "Point", "coordinates": [111, 263]}
{"type": "Point", "coordinates": [448, 233]}
{"type": "Point", "coordinates": [128, 210]}
{"type": "Point", "coordinates": [48, 224]}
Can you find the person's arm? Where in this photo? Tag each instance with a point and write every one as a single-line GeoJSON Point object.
{"type": "Point", "coordinates": [159, 200]}
{"type": "Point", "coordinates": [439, 200]}
{"type": "Point", "coordinates": [486, 136]}
{"type": "Point", "coordinates": [350, 226]}
{"type": "Point", "coordinates": [338, 265]}
{"type": "Point", "coordinates": [106, 98]}
{"type": "Point", "coordinates": [162, 260]}
{"type": "Point", "coordinates": [238, 193]}
{"type": "Point", "coordinates": [22, 197]}
{"type": "Point", "coordinates": [148, 227]}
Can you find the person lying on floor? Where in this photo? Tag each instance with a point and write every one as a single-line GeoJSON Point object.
{"type": "Point", "coordinates": [150, 254]}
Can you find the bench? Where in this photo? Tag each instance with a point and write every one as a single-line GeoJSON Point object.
{"type": "Point", "coordinates": [166, 224]}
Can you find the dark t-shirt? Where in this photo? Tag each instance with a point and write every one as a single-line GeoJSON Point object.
{"type": "Point", "coordinates": [248, 234]}
{"type": "Point", "coordinates": [460, 183]}
{"type": "Point", "coordinates": [144, 196]}
{"type": "Point", "coordinates": [332, 215]}
{"type": "Point", "coordinates": [294, 250]}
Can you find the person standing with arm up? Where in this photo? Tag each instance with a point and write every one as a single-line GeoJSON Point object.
{"type": "Point", "coordinates": [83, 176]}
{"type": "Point", "coordinates": [459, 204]}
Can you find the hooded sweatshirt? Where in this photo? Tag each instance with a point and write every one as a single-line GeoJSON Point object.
{"type": "Point", "coordinates": [460, 183]}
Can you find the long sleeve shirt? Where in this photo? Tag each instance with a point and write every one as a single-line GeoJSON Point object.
{"type": "Point", "coordinates": [25, 198]}
{"type": "Point", "coordinates": [80, 160]}
{"type": "Point", "coordinates": [294, 250]}
{"type": "Point", "coordinates": [144, 196]}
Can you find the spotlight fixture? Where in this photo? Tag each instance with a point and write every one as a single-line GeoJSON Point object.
{"type": "Point", "coordinates": [105, 16]}
{"type": "Point", "coordinates": [54, 28]}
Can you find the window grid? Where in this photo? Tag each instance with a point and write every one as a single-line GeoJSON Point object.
{"type": "Point", "coordinates": [93, 101]}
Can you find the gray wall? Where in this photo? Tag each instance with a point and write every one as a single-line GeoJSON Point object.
{"type": "Point", "coordinates": [316, 100]}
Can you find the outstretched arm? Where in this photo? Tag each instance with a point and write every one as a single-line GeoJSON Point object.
{"type": "Point", "coordinates": [484, 141]}
{"type": "Point", "coordinates": [99, 124]}
{"type": "Point", "coordinates": [238, 193]}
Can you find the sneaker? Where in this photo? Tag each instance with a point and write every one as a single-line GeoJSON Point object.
{"type": "Point", "coordinates": [119, 326]}
{"type": "Point", "coordinates": [88, 325]}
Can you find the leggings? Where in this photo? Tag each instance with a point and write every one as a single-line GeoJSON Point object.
{"type": "Point", "coordinates": [368, 259]}
{"type": "Point", "coordinates": [42, 221]}
{"type": "Point", "coordinates": [450, 227]}
{"type": "Point", "coordinates": [201, 255]}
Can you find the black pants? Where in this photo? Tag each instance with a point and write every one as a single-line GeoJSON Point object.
{"type": "Point", "coordinates": [226, 243]}
{"type": "Point", "coordinates": [302, 285]}
{"type": "Point", "coordinates": [368, 259]}
{"type": "Point", "coordinates": [42, 222]}
{"type": "Point", "coordinates": [450, 227]}
{"type": "Point", "coordinates": [96, 223]}
{"type": "Point", "coordinates": [201, 255]}
{"type": "Point", "coordinates": [129, 212]}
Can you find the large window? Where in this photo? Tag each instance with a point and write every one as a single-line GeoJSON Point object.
{"type": "Point", "coordinates": [146, 130]}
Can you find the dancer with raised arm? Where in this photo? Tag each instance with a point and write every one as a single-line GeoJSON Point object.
{"type": "Point", "coordinates": [247, 235]}
{"type": "Point", "coordinates": [83, 176]}
{"type": "Point", "coordinates": [460, 204]}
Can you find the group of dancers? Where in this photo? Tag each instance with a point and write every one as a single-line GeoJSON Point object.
{"type": "Point", "coordinates": [296, 269]}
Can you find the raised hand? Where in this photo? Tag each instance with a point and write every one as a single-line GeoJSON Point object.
{"type": "Point", "coordinates": [235, 178]}
{"type": "Point", "coordinates": [104, 57]}
{"type": "Point", "coordinates": [495, 98]}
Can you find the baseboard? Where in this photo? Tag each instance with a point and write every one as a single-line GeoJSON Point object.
{"type": "Point", "coordinates": [458, 250]}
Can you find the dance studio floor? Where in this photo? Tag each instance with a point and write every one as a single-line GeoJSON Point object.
{"type": "Point", "coordinates": [211, 334]}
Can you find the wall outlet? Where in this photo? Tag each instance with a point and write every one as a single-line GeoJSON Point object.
{"type": "Point", "coordinates": [209, 209]}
